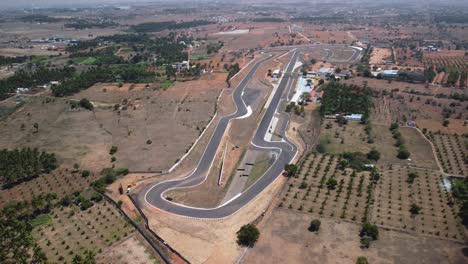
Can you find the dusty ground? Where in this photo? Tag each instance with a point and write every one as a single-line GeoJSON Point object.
{"type": "Point", "coordinates": [130, 250]}
{"type": "Point", "coordinates": [379, 55]}
{"type": "Point", "coordinates": [285, 238]}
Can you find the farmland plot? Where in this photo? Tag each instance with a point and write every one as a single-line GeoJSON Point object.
{"type": "Point", "coordinates": [452, 152]}
{"type": "Point", "coordinates": [416, 200]}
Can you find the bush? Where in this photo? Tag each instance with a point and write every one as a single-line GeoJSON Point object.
{"type": "Point", "coordinates": [113, 150]}
{"type": "Point", "coordinates": [411, 177]}
{"type": "Point", "coordinates": [85, 173]}
{"type": "Point", "coordinates": [314, 225]}
{"type": "Point", "coordinates": [362, 260]}
{"type": "Point", "coordinates": [247, 235]}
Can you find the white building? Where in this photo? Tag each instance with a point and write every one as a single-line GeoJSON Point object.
{"type": "Point", "coordinates": [276, 73]}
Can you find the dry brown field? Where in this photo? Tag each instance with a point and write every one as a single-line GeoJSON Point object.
{"type": "Point", "coordinates": [285, 239]}
{"type": "Point", "coordinates": [129, 250]}
{"type": "Point", "coordinates": [153, 117]}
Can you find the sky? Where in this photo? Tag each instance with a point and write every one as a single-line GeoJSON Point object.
{"type": "Point", "coordinates": [48, 3]}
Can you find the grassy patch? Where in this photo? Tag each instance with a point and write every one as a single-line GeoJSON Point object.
{"type": "Point", "coordinates": [41, 220]}
{"type": "Point", "coordinates": [89, 61]}
{"type": "Point", "coordinates": [166, 84]}
{"type": "Point", "coordinates": [202, 57]}
{"type": "Point", "coordinates": [138, 219]}
{"type": "Point", "coordinates": [262, 163]}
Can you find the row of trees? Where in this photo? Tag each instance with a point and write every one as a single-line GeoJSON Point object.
{"type": "Point", "coordinates": [16, 242]}
{"type": "Point", "coordinates": [20, 165]}
{"type": "Point", "coordinates": [133, 73]}
{"type": "Point", "coordinates": [10, 60]}
{"type": "Point", "coordinates": [26, 79]}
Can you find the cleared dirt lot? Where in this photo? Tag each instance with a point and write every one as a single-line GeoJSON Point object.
{"type": "Point", "coordinates": [285, 239]}
{"type": "Point", "coordinates": [128, 251]}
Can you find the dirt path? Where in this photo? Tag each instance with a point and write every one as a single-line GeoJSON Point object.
{"type": "Point", "coordinates": [176, 107]}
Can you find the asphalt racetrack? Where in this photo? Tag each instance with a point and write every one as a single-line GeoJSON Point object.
{"type": "Point", "coordinates": [285, 150]}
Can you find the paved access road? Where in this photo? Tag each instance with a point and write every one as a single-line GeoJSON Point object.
{"type": "Point", "coordinates": [153, 194]}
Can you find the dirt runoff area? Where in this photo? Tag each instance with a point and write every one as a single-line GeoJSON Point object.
{"type": "Point", "coordinates": [210, 241]}
{"type": "Point", "coordinates": [285, 239]}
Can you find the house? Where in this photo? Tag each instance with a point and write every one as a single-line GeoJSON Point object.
{"type": "Point", "coordinates": [389, 74]}
{"type": "Point", "coordinates": [353, 117]}
{"type": "Point", "coordinates": [183, 65]}
{"type": "Point", "coordinates": [325, 72]}
{"type": "Point", "coordinates": [22, 90]}
{"type": "Point", "coordinates": [276, 73]}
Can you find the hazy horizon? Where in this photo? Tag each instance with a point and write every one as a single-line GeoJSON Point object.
{"type": "Point", "coordinates": [81, 3]}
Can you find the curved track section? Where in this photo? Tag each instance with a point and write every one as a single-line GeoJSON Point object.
{"type": "Point", "coordinates": [286, 150]}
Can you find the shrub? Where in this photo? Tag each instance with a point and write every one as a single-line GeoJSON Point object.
{"type": "Point", "coordinates": [411, 177]}
{"type": "Point", "coordinates": [247, 235]}
{"type": "Point", "coordinates": [85, 173]}
{"type": "Point", "coordinates": [362, 260]}
{"type": "Point", "coordinates": [113, 150]}
{"type": "Point", "coordinates": [314, 225]}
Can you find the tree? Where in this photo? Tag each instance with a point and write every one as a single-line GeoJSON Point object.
{"type": "Point", "coordinates": [373, 155]}
{"type": "Point", "coordinates": [291, 169]}
{"type": "Point", "coordinates": [362, 260]}
{"type": "Point", "coordinates": [113, 150]}
{"type": "Point", "coordinates": [446, 123]}
{"type": "Point", "coordinates": [415, 209]}
{"type": "Point", "coordinates": [403, 153]}
{"type": "Point", "coordinates": [332, 183]}
{"type": "Point", "coordinates": [86, 104]}
{"type": "Point", "coordinates": [314, 225]}
{"type": "Point", "coordinates": [247, 235]}
{"type": "Point", "coordinates": [369, 230]}
{"type": "Point", "coordinates": [38, 257]}
{"type": "Point", "coordinates": [36, 126]}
